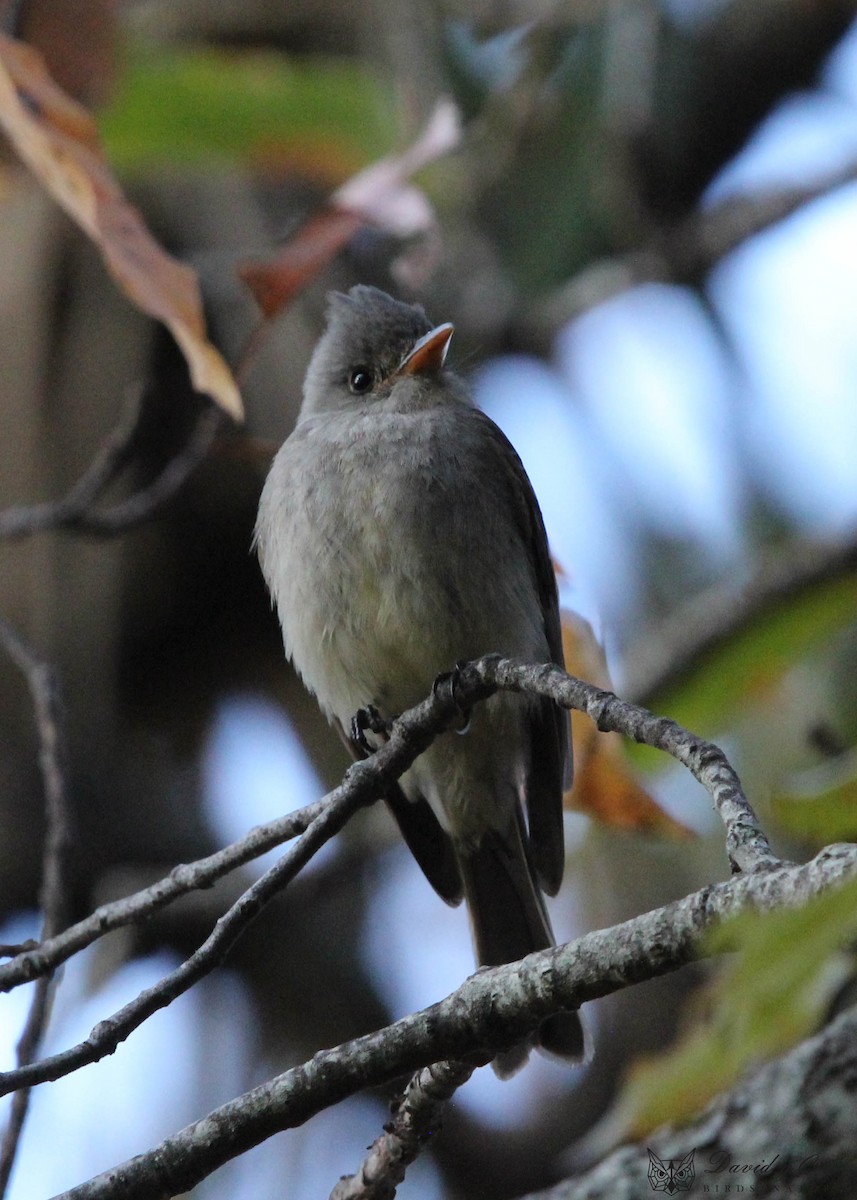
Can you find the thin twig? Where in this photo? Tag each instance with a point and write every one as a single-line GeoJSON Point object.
{"type": "Point", "coordinates": [107, 1034]}
{"type": "Point", "coordinates": [42, 682]}
{"type": "Point", "coordinates": [39, 958]}
{"type": "Point", "coordinates": [746, 844]}
{"type": "Point", "coordinates": [76, 510]}
{"type": "Point", "coordinates": [145, 503]}
{"type": "Point", "coordinates": [24, 520]}
{"type": "Point", "coordinates": [365, 781]}
{"type": "Point", "coordinates": [494, 1008]}
{"type": "Point", "coordinates": [417, 1117]}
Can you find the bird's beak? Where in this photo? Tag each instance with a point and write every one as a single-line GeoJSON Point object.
{"type": "Point", "coordinates": [429, 352]}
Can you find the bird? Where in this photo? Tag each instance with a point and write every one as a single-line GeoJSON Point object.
{"type": "Point", "coordinates": [398, 534]}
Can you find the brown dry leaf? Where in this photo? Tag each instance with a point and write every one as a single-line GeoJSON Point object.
{"type": "Point", "coordinates": [603, 786]}
{"type": "Point", "coordinates": [379, 195]}
{"type": "Point", "coordinates": [57, 139]}
{"type": "Point", "coordinates": [275, 281]}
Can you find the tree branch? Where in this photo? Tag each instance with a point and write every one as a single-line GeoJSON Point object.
{"type": "Point", "coordinates": [144, 504]}
{"type": "Point", "coordinates": [746, 845]}
{"type": "Point", "coordinates": [493, 1009]}
{"type": "Point", "coordinates": [40, 958]}
{"type": "Point", "coordinates": [76, 510]}
{"type": "Point", "coordinates": [44, 689]}
{"type": "Point", "coordinates": [688, 250]}
{"type": "Point", "coordinates": [366, 781]}
{"type": "Point", "coordinates": [787, 1128]}
{"type": "Point", "coordinates": [24, 520]}
{"type": "Point", "coordinates": [417, 1115]}
{"type": "Point", "coordinates": [107, 1035]}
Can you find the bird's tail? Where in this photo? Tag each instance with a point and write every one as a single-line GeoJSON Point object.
{"type": "Point", "coordinates": [508, 920]}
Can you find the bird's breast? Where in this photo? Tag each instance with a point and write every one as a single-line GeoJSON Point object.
{"type": "Point", "coordinates": [372, 539]}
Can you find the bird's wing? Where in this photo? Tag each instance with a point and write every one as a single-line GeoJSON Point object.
{"type": "Point", "coordinates": [550, 734]}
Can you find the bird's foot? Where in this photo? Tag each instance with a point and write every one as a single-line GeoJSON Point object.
{"type": "Point", "coordinates": [447, 686]}
{"type": "Point", "coordinates": [368, 718]}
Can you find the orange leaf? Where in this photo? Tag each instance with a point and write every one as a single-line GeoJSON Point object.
{"type": "Point", "coordinates": [57, 139]}
{"type": "Point", "coordinates": [603, 786]}
{"type": "Point", "coordinates": [379, 195]}
{"type": "Point", "coordinates": [274, 282]}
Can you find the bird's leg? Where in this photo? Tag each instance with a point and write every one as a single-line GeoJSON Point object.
{"type": "Point", "coordinates": [446, 685]}
{"type": "Point", "coordinates": [368, 718]}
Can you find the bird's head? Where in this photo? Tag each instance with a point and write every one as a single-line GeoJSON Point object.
{"type": "Point", "coordinates": [374, 346]}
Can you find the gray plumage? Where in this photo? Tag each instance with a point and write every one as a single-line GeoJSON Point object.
{"type": "Point", "coordinates": [398, 534]}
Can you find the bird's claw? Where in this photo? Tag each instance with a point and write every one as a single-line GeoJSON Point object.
{"type": "Point", "coordinates": [447, 686]}
{"type": "Point", "coordinates": [368, 718]}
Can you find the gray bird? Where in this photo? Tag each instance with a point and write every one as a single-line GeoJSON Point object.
{"type": "Point", "coordinates": [399, 534]}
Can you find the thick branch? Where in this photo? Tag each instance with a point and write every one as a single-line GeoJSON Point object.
{"type": "Point", "coordinates": [493, 1009]}
{"type": "Point", "coordinates": [789, 1124]}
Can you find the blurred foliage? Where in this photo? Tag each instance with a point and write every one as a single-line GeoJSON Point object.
{"type": "Point", "coordinates": [819, 805]}
{"type": "Point", "coordinates": [323, 116]}
{"type": "Point", "coordinates": [604, 787]}
{"type": "Point", "coordinates": [750, 665]}
{"type": "Point", "coordinates": [544, 151]}
{"type": "Point", "coordinates": [477, 69]}
{"type": "Point", "coordinates": [787, 968]}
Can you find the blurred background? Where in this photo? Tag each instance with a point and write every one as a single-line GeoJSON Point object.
{"type": "Point", "coordinates": [646, 238]}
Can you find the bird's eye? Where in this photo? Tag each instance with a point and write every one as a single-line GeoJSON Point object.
{"type": "Point", "coordinates": [360, 380]}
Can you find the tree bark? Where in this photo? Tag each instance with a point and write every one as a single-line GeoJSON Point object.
{"type": "Point", "coordinates": [787, 1129]}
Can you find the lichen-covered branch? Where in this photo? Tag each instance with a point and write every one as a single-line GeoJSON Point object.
{"type": "Point", "coordinates": [746, 844]}
{"type": "Point", "coordinates": [787, 1129]}
{"type": "Point", "coordinates": [493, 1009]}
{"type": "Point", "coordinates": [418, 1115]}
{"type": "Point", "coordinates": [366, 781]}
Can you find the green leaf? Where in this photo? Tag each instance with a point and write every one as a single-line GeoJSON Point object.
{"type": "Point", "coordinates": [540, 192]}
{"type": "Point", "coordinates": [201, 106]}
{"type": "Point", "coordinates": [749, 667]}
{"type": "Point", "coordinates": [773, 993]}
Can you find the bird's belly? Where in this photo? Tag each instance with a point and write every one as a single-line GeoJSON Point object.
{"type": "Point", "coordinates": [369, 623]}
